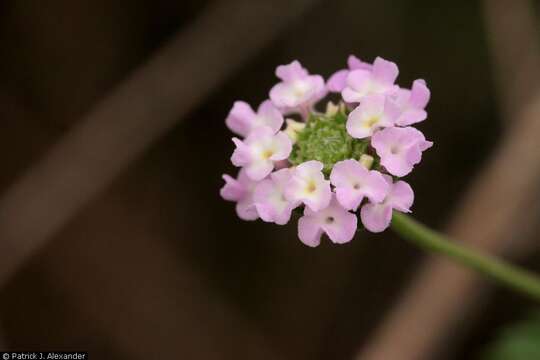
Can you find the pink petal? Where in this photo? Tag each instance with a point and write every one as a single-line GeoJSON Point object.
{"type": "Point", "coordinates": [397, 165]}
{"type": "Point", "coordinates": [376, 187]}
{"type": "Point", "coordinates": [269, 198]}
{"type": "Point", "coordinates": [376, 217]}
{"type": "Point", "coordinates": [322, 196]}
{"type": "Point", "coordinates": [350, 96]}
{"type": "Point", "coordinates": [284, 146]}
{"type": "Point", "coordinates": [259, 170]}
{"type": "Point", "coordinates": [345, 176]}
{"type": "Point", "coordinates": [411, 116]}
{"type": "Point", "coordinates": [424, 145]}
{"type": "Point", "coordinates": [245, 209]}
{"type": "Point", "coordinates": [232, 190]}
{"type": "Point", "coordinates": [260, 196]}
{"type": "Point", "coordinates": [354, 125]}
{"type": "Point", "coordinates": [349, 198]}
{"type": "Point", "coordinates": [401, 196]}
{"type": "Point", "coordinates": [309, 231]}
{"type": "Point", "coordinates": [355, 63]}
{"type": "Point", "coordinates": [343, 228]}
{"type": "Point", "coordinates": [357, 84]}
{"type": "Point", "coordinates": [413, 155]}
{"type": "Point", "coordinates": [304, 174]}
{"type": "Point", "coordinates": [384, 71]}
{"type": "Point", "coordinates": [338, 81]}
{"type": "Point", "coordinates": [391, 111]}
{"type": "Point", "coordinates": [241, 155]}
{"type": "Point", "coordinates": [373, 104]}
{"type": "Point", "coordinates": [358, 79]}
{"type": "Point", "coordinates": [271, 115]}
{"type": "Point", "coordinates": [420, 94]}
{"type": "Point", "coordinates": [291, 71]}
{"type": "Point", "coordinates": [353, 182]}
{"type": "Point", "coordinates": [346, 172]}
{"type": "Point", "coordinates": [309, 167]}
{"type": "Point", "coordinates": [240, 118]}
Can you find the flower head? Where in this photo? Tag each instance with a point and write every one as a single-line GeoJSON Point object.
{"type": "Point", "coordinates": [353, 182]}
{"type": "Point", "coordinates": [308, 185]}
{"type": "Point", "coordinates": [363, 82]}
{"type": "Point", "coordinates": [400, 148]}
{"type": "Point", "coordinates": [376, 217]}
{"type": "Point", "coordinates": [242, 120]}
{"type": "Point", "coordinates": [298, 91]}
{"type": "Point", "coordinates": [260, 150]}
{"type": "Point", "coordinates": [337, 165]}
{"type": "Point", "coordinates": [269, 198]}
{"type": "Point", "coordinates": [376, 111]}
{"type": "Point", "coordinates": [240, 190]}
{"type": "Point", "coordinates": [339, 224]}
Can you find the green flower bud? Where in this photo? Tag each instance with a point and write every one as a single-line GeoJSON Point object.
{"type": "Point", "coordinates": [325, 139]}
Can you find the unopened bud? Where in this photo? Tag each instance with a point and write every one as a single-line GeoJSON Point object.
{"type": "Point", "coordinates": [331, 109]}
{"type": "Point", "coordinates": [293, 128]}
{"type": "Point", "coordinates": [366, 161]}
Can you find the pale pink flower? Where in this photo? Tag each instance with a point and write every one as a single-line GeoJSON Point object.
{"type": "Point", "coordinates": [339, 224]}
{"type": "Point", "coordinates": [379, 80]}
{"type": "Point", "coordinates": [260, 150]}
{"type": "Point", "coordinates": [270, 200]}
{"type": "Point", "coordinates": [412, 103]}
{"type": "Point", "coordinates": [240, 190]}
{"type": "Point", "coordinates": [308, 185]}
{"type": "Point", "coordinates": [338, 80]}
{"type": "Point", "coordinates": [242, 120]}
{"type": "Point", "coordinates": [298, 91]}
{"type": "Point", "coordinates": [374, 112]}
{"type": "Point", "coordinates": [353, 182]}
{"type": "Point", "coordinates": [400, 148]}
{"type": "Point", "coordinates": [377, 217]}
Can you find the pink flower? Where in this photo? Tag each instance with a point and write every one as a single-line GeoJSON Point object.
{"type": "Point", "coordinates": [363, 82]}
{"type": "Point", "coordinates": [270, 200]}
{"type": "Point", "coordinates": [400, 148]}
{"type": "Point", "coordinates": [260, 150]}
{"type": "Point", "coordinates": [308, 185]}
{"type": "Point", "coordinates": [374, 112]}
{"type": "Point", "coordinates": [353, 182]}
{"type": "Point", "coordinates": [377, 217]}
{"type": "Point", "coordinates": [298, 91]}
{"type": "Point", "coordinates": [335, 221]}
{"type": "Point", "coordinates": [412, 103]}
{"type": "Point", "coordinates": [242, 119]}
{"type": "Point", "coordinates": [240, 190]}
{"type": "Point", "coordinates": [338, 81]}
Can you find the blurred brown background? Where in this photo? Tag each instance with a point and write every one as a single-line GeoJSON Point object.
{"type": "Point", "coordinates": [153, 263]}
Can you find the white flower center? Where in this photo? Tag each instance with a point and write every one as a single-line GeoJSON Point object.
{"type": "Point", "coordinates": [371, 121]}
{"type": "Point", "coordinates": [267, 153]}
{"type": "Point", "coordinates": [311, 186]}
{"type": "Point", "coordinates": [300, 88]}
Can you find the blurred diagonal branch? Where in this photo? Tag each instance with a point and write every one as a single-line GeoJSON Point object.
{"type": "Point", "coordinates": [512, 33]}
{"type": "Point", "coordinates": [121, 127]}
{"type": "Point", "coordinates": [131, 118]}
{"type": "Point", "coordinates": [491, 213]}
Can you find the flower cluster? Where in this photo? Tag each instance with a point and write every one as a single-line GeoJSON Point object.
{"type": "Point", "coordinates": [337, 164]}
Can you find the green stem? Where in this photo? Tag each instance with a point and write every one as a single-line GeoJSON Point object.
{"type": "Point", "coordinates": [504, 273]}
